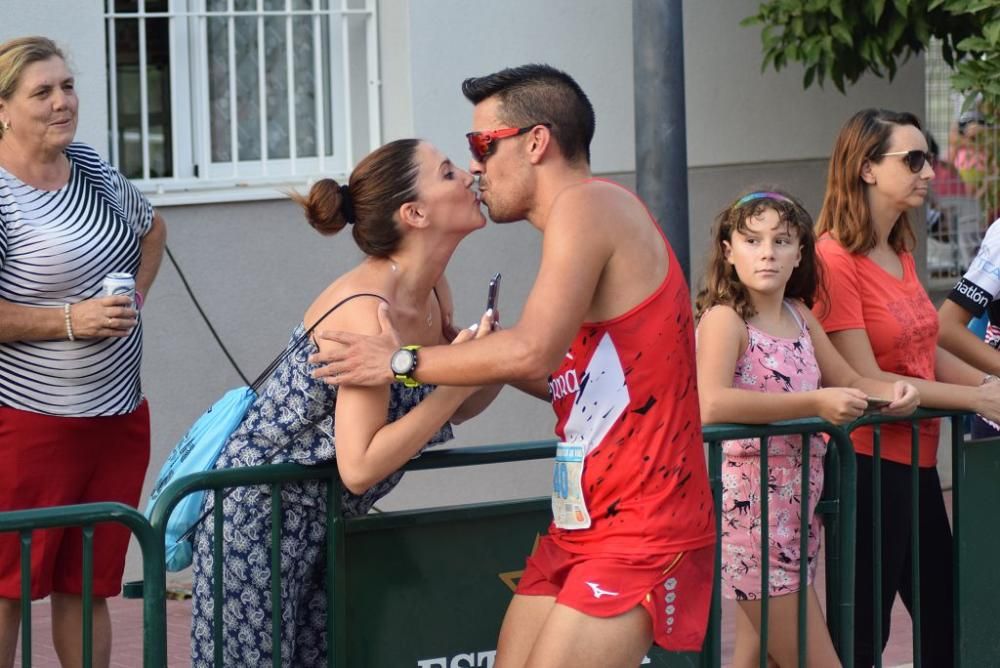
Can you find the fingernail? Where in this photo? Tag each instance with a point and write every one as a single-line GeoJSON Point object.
{"type": "Point", "coordinates": [489, 312]}
{"type": "Point", "coordinates": [474, 327]}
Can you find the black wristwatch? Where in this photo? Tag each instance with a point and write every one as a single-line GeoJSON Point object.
{"type": "Point", "coordinates": [403, 363]}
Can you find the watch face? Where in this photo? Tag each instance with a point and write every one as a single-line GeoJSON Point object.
{"type": "Point", "coordinates": [402, 362]}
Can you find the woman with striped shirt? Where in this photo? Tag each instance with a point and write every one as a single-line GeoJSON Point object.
{"type": "Point", "coordinates": [74, 426]}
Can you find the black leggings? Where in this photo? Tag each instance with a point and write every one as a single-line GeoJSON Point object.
{"type": "Point", "coordinates": [936, 624]}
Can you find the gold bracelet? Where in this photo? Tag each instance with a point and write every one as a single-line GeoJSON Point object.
{"type": "Point", "coordinates": [69, 322]}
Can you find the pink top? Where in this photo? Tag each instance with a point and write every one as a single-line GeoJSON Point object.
{"type": "Point", "coordinates": [776, 364]}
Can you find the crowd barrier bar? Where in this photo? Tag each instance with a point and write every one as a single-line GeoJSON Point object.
{"type": "Point", "coordinates": [837, 504]}
{"type": "Point", "coordinates": [85, 516]}
{"type": "Point", "coordinates": [275, 475]}
{"type": "Point", "coordinates": [957, 440]}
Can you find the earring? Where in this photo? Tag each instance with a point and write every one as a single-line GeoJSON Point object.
{"type": "Point", "coordinates": [6, 126]}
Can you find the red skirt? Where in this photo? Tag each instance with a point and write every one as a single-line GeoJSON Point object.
{"type": "Point", "coordinates": [55, 461]}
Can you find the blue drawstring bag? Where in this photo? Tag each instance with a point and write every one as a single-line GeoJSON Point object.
{"type": "Point", "coordinates": [199, 450]}
{"type": "Point", "coordinates": [196, 452]}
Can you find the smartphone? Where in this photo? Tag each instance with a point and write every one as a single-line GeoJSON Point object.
{"type": "Point", "coordinates": [875, 404]}
{"type": "Point", "coordinates": [493, 296]}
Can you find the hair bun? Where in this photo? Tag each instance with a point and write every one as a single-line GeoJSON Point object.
{"type": "Point", "coordinates": [324, 206]}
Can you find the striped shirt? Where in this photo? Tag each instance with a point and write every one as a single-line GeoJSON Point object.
{"type": "Point", "coordinates": [57, 247]}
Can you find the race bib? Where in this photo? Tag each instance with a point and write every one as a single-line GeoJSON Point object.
{"type": "Point", "coordinates": [569, 509]}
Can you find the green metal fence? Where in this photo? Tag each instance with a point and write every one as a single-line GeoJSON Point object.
{"type": "Point", "coordinates": [959, 473]}
{"type": "Point", "coordinates": [85, 516]}
{"type": "Point", "coordinates": [975, 499]}
{"type": "Point", "coordinates": [429, 587]}
{"type": "Point", "coordinates": [355, 587]}
{"type": "Point", "coordinates": [427, 552]}
{"type": "Point", "coordinates": [976, 642]}
{"type": "Point", "coordinates": [837, 508]}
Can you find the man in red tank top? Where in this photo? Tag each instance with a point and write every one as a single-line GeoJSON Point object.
{"type": "Point", "coordinates": [628, 559]}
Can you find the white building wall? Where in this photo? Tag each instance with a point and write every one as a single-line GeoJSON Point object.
{"type": "Point", "coordinates": [737, 114]}
{"type": "Point", "coordinates": [78, 28]}
{"type": "Point", "coordinates": [451, 40]}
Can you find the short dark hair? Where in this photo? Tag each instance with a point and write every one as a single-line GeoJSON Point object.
{"type": "Point", "coordinates": [534, 94]}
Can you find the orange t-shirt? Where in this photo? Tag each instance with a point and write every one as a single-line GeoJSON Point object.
{"type": "Point", "coordinates": [901, 324]}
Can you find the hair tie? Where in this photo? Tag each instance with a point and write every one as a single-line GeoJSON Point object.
{"type": "Point", "coordinates": [347, 204]}
{"type": "Point", "coordinates": [762, 195]}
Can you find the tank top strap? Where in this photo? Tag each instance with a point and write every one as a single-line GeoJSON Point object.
{"type": "Point", "coordinates": [795, 314]}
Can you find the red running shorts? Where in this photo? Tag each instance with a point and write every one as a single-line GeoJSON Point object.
{"type": "Point", "coordinates": [675, 589]}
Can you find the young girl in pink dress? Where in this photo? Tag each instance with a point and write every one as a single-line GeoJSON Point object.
{"type": "Point", "coordinates": [763, 357]}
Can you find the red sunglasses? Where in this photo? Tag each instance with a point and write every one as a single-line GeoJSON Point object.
{"type": "Point", "coordinates": [483, 144]}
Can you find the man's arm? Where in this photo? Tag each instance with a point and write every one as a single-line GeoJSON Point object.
{"type": "Point", "coordinates": [538, 388]}
{"type": "Point", "coordinates": [576, 248]}
{"type": "Point", "coordinates": [956, 338]}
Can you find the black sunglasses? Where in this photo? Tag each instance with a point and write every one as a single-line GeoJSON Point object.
{"type": "Point", "coordinates": [914, 159]}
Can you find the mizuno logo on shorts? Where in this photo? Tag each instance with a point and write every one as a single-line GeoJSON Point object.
{"type": "Point", "coordinates": [598, 592]}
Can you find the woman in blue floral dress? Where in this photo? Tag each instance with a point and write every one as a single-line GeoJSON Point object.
{"type": "Point", "coordinates": [408, 208]}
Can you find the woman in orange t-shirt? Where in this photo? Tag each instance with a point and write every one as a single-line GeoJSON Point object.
{"type": "Point", "coordinates": [881, 320]}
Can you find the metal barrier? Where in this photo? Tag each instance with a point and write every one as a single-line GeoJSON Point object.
{"type": "Point", "coordinates": [365, 591]}
{"type": "Point", "coordinates": [837, 505]}
{"type": "Point", "coordinates": [976, 580]}
{"type": "Point", "coordinates": [958, 467]}
{"type": "Point", "coordinates": [86, 516]}
{"type": "Point", "coordinates": [342, 585]}
{"type": "Point", "coordinates": [429, 560]}
{"type": "Point", "coordinates": [840, 578]}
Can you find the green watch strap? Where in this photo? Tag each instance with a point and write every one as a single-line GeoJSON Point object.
{"type": "Point", "coordinates": [407, 379]}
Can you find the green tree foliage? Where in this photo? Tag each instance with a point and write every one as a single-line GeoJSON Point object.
{"type": "Point", "coordinates": [840, 40]}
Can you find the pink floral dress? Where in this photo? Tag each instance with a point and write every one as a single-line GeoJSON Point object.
{"type": "Point", "coordinates": [770, 364]}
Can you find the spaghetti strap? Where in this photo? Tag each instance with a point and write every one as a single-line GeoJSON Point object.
{"type": "Point", "coordinates": [259, 382]}
{"type": "Point", "coordinates": [795, 314]}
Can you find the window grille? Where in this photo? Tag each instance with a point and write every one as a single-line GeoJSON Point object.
{"type": "Point", "coordinates": [230, 93]}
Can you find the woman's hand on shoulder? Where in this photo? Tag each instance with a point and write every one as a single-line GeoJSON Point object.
{"type": "Point", "coordinates": [905, 399]}
{"type": "Point", "coordinates": [840, 405]}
